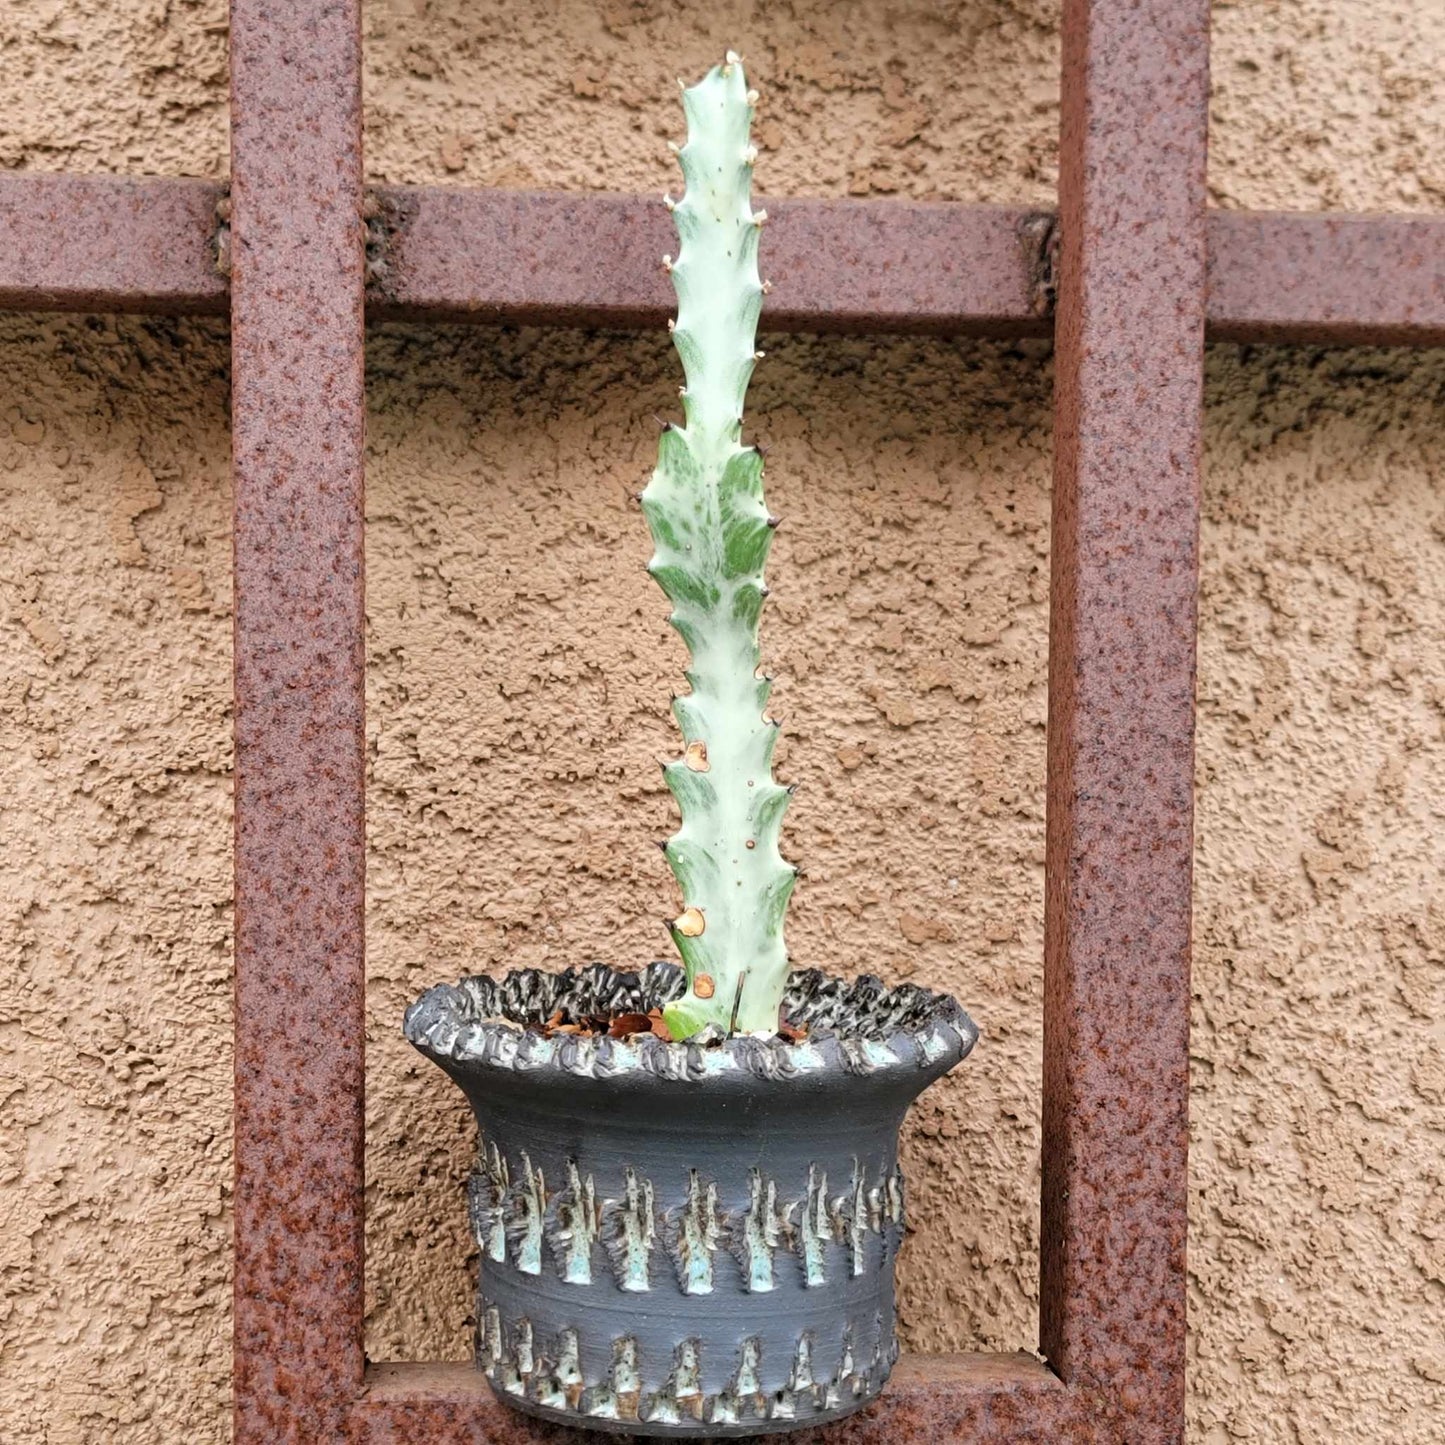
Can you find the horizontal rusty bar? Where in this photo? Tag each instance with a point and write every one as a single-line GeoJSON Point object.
{"type": "Point", "coordinates": [1335, 279]}
{"type": "Point", "coordinates": [890, 266]}
{"type": "Point", "coordinates": [107, 243]}
{"type": "Point", "coordinates": [97, 243]}
{"type": "Point", "coordinates": [596, 260]}
{"type": "Point", "coordinates": [985, 1399]}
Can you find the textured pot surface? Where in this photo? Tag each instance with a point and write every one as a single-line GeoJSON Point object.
{"type": "Point", "coordinates": [687, 1239]}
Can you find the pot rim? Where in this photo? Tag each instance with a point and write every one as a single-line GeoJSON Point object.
{"type": "Point", "coordinates": [479, 1024]}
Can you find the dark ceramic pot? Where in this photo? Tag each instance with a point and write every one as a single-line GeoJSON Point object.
{"type": "Point", "coordinates": [687, 1239]}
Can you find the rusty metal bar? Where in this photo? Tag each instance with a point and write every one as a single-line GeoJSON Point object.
{"type": "Point", "coordinates": [96, 243]}
{"type": "Point", "coordinates": [593, 260]}
{"type": "Point", "coordinates": [1337, 280]}
{"type": "Point", "coordinates": [297, 435]}
{"type": "Point", "coordinates": [1129, 366]}
{"type": "Point", "coordinates": [106, 243]}
{"type": "Point", "coordinates": [890, 266]}
{"type": "Point", "coordinates": [983, 1399]}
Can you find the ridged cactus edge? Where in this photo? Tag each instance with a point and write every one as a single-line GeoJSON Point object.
{"type": "Point", "coordinates": [711, 533]}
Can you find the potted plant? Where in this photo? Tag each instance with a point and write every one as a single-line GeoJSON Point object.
{"type": "Point", "coordinates": [687, 1202]}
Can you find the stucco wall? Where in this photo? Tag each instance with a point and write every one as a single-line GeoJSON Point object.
{"type": "Point", "coordinates": [519, 670]}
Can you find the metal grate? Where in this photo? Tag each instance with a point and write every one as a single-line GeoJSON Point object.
{"type": "Point", "coordinates": [103, 243]}
{"type": "Point", "coordinates": [1142, 271]}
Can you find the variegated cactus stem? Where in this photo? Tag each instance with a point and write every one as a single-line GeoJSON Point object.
{"type": "Point", "coordinates": [711, 532]}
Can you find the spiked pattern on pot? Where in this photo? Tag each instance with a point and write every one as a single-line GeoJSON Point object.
{"type": "Point", "coordinates": [711, 531]}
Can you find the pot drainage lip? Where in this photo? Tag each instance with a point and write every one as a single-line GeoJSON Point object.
{"type": "Point", "coordinates": [862, 1027]}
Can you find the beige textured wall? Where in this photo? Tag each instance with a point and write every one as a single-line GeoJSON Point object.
{"type": "Point", "coordinates": [519, 669]}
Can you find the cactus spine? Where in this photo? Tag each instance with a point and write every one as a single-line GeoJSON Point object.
{"type": "Point", "coordinates": [711, 532]}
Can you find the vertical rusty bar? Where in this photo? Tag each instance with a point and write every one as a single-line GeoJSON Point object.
{"type": "Point", "coordinates": [1130, 336]}
{"type": "Point", "coordinates": [297, 437]}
